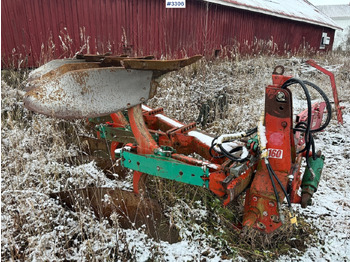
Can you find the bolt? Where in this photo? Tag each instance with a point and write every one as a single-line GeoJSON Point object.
{"type": "Point", "coordinates": [271, 204]}
{"type": "Point", "coordinates": [142, 99]}
{"type": "Point", "coordinates": [261, 225]}
{"type": "Point", "coordinates": [255, 199]}
{"type": "Point", "coordinates": [158, 168]}
{"type": "Point", "coordinates": [129, 161]}
{"type": "Point", "coordinates": [284, 124]}
{"type": "Point", "coordinates": [275, 219]}
{"type": "Point", "coordinates": [281, 97]}
{"type": "Point", "coordinates": [265, 214]}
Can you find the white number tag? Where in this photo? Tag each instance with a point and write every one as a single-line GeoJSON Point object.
{"type": "Point", "coordinates": [175, 3]}
{"type": "Point", "coordinates": [275, 153]}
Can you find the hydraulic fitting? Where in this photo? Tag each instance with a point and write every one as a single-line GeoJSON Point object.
{"type": "Point", "coordinates": [310, 181]}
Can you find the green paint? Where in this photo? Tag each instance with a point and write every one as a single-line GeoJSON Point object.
{"type": "Point", "coordinates": [308, 184]}
{"type": "Point", "coordinates": [255, 142]}
{"type": "Point", "coordinates": [164, 151]}
{"type": "Point", "coordinates": [122, 135]}
{"type": "Point", "coordinates": [166, 167]}
{"type": "Point", "coordinates": [119, 134]}
{"type": "Point", "coordinates": [126, 115]}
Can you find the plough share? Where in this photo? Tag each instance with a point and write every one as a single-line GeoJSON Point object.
{"type": "Point", "coordinates": [263, 162]}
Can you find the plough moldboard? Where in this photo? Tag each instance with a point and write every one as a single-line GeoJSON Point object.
{"type": "Point", "coordinates": [264, 163]}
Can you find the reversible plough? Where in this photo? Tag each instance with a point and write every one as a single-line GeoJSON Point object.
{"type": "Point", "coordinates": [264, 162]}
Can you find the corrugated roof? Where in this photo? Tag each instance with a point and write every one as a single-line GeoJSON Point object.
{"type": "Point", "coordinates": [336, 11]}
{"type": "Point", "coordinates": [298, 10]}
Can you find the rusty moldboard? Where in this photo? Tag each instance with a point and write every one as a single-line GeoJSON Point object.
{"type": "Point", "coordinates": [159, 65]}
{"type": "Point", "coordinates": [89, 93]}
{"type": "Point", "coordinates": [133, 210]}
{"type": "Point", "coordinates": [98, 150]}
{"type": "Point", "coordinates": [57, 72]}
{"type": "Point", "coordinates": [73, 89]}
{"type": "Point", "coordinates": [52, 65]}
{"type": "Point", "coordinates": [117, 60]}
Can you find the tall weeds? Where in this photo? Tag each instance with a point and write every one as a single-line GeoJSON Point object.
{"type": "Point", "coordinates": [36, 227]}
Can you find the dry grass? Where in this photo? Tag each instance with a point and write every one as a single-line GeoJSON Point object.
{"type": "Point", "coordinates": [37, 227]}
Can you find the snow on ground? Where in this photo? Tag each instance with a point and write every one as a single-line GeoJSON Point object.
{"type": "Point", "coordinates": [330, 211]}
{"type": "Point", "coordinates": [37, 228]}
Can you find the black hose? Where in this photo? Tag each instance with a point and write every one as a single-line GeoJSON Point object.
{"type": "Point", "coordinates": [293, 81]}
{"type": "Point", "coordinates": [224, 153]}
{"type": "Point", "coordinates": [270, 170]}
{"type": "Point", "coordinates": [307, 133]}
{"type": "Point", "coordinates": [232, 157]}
{"type": "Point", "coordinates": [306, 127]}
{"type": "Point", "coordinates": [251, 131]}
{"type": "Point", "coordinates": [211, 149]}
{"type": "Point", "coordinates": [328, 106]}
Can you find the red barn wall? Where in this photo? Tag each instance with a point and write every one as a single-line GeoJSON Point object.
{"type": "Point", "coordinates": [34, 31]}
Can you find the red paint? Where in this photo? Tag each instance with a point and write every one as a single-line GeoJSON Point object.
{"type": "Point", "coordinates": [260, 209]}
{"type": "Point", "coordinates": [317, 111]}
{"type": "Point", "coordinates": [215, 183]}
{"type": "Point", "coordinates": [145, 141]}
{"type": "Point", "coordinates": [30, 28]}
{"type": "Point", "coordinates": [334, 88]}
{"type": "Point", "coordinates": [276, 139]}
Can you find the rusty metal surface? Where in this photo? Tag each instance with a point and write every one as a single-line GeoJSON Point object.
{"type": "Point", "coordinates": [58, 71]}
{"type": "Point", "coordinates": [133, 211]}
{"type": "Point", "coordinates": [99, 150]}
{"type": "Point", "coordinates": [159, 65]}
{"type": "Point", "coordinates": [120, 135]}
{"type": "Point", "coordinates": [102, 160]}
{"type": "Point", "coordinates": [279, 108]}
{"type": "Point", "coordinates": [116, 60]}
{"type": "Point", "coordinates": [73, 89]}
{"type": "Point", "coordinates": [52, 65]}
{"type": "Point", "coordinates": [94, 58]}
{"type": "Point", "coordinates": [89, 92]}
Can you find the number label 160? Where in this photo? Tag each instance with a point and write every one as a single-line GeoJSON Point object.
{"type": "Point", "coordinates": [275, 153]}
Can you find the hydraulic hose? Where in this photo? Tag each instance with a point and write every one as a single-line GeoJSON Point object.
{"type": "Point", "coordinates": [218, 142]}
{"type": "Point", "coordinates": [306, 131]}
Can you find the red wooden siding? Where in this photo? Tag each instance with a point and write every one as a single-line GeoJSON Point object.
{"type": "Point", "coordinates": [38, 30]}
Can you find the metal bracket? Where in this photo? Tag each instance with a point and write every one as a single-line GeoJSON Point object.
{"type": "Point", "coordinates": [166, 167]}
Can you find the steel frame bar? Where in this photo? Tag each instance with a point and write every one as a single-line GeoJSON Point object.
{"type": "Point", "coordinates": [334, 88]}
{"type": "Point", "coordinates": [153, 131]}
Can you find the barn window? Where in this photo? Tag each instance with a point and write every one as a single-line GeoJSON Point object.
{"type": "Point", "coordinates": [325, 40]}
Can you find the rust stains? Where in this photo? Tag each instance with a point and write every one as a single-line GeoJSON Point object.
{"type": "Point", "coordinates": [81, 77]}
{"type": "Point", "coordinates": [159, 65]}
{"type": "Point", "coordinates": [67, 68]}
{"type": "Point", "coordinates": [133, 211]}
{"type": "Point", "coordinates": [77, 89]}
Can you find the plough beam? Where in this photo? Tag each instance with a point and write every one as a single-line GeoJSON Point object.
{"type": "Point", "coordinates": [263, 162]}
